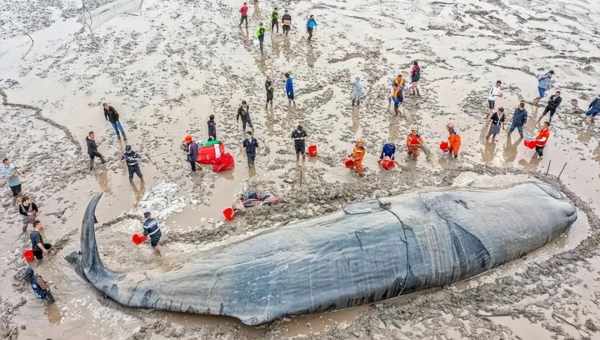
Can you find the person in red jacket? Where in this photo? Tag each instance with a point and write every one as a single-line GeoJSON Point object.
{"type": "Point", "coordinates": [244, 14]}
{"type": "Point", "coordinates": [413, 144]}
{"type": "Point", "coordinates": [541, 139]}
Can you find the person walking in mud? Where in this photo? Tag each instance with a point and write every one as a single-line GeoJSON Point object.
{"type": "Point", "coordinates": [112, 116]}
{"type": "Point", "coordinates": [92, 149]}
{"type": "Point", "coordinates": [541, 139]}
{"type": "Point", "coordinates": [299, 136]}
{"type": "Point", "coordinates": [269, 90]}
{"type": "Point", "coordinates": [212, 127]}
{"type": "Point", "coordinates": [191, 149]}
{"type": "Point", "coordinates": [152, 230]}
{"type": "Point", "coordinates": [250, 144]}
{"type": "Point", "coordinates": [29, 211]}
{"type": "Point", "coordinates": [286, 22]}
{"type": "Point", "coordinates": [244, 113]}
{"type": "Point", "coordinates": [260, 34]}
{"type": "Point", "coordinates": [311, 25]}
{"type": "Point", "coordinates": [544, 84]}
{"type": "Point", "coordinates": [552, 106]}
{"type": "Point", "coordinates": [415, 76]}
{"type": "Point", "coordinates": [275, 20]}
{"type": "Point", "coordinates": [593, 109]}
{"type": "Point", "coordinates": [358, 92]}
{"type": "Point", "coordinates": [289, 89]}
{"type": "Point", "coordinates": [244, 15]}
{"type": "Point", "coordinates": [497, 122]}
{"type": "Point", "coordinates": [39, 247]}
{"type": "Point", "coordinates": [494, 92]}
{"type": "Point", "coordinates": [518, 120]}
{"type": "Point", "coordinates": [132, 159]}
{"type": "Point", "coordinates": [10, 174]}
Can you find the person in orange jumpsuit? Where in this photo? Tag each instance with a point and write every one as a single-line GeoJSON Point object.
{"type": "Point", "coordinates": [454, 141]}
{"type": "Point", "coordinates": [541, 139]}
{"type": "Point", "coordinates": [358, 155]}
{"type": "Point", "coordinates": [413, 144]}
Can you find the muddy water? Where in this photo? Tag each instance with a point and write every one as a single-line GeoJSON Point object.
{"type": "Point", "coordinates": [167, 65]}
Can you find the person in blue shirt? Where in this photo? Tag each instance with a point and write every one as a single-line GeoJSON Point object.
{"type": "Point", "coordinates": [10, 174]}
{"type": "Point", "coordinates": [593, 109]}
{"type": "Point", "coordinates": [544, 84]}
{"type": "Point", "coordinates": [311, 24]}
{"type": "Point", "coordinates": [40, 287]}
{"type": "Point", "coordinates": [518, 120]}
{"type": "Point", "coordinates": [389, 150]}
{"type": "Point", "coordinates": [289, 89]}
{"type": "Point", "coordinates": [152, 230]}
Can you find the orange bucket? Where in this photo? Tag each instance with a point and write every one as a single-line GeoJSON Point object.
{"type": "Point", "coordinates": [349, 163]}
{"type": "Point", "coordinates": [28, 255]}
{"type": "Point", "coordinates": [228, 214]}
{"type": "Point", "coordinates": [312, 150]}
{"type": "Point", "coordinates": [387, 164]}
{"type": "Point", "coordinates": [444, 146]}
{"type": "Point", "coordinates": [530, 143]}
{"type": "Point", "coordinates": [138, 239]}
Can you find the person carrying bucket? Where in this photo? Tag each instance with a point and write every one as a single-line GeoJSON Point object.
{"type": "Point", "coordinates": [299, 135]}
{"type": "Point", "coordinates": [541, 139]}
{"type": "Point", "coordinates": [413, 144]}
{"type": "Point", "coordinates": [152, 230]}
{"type": "Point", "coordinates": [358, 155]}
{"type": "Point", "coordinates": [454, 141]}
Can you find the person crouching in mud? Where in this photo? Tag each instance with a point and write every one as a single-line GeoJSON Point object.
{"type": "Point", "coordinates": [358, 155]}
{"type": "Point", "coordinates": [41, 288]}
{"type": "Point", "coordinates": [413, 144]}
{"type": "Point", "coordinates": [152, 230]}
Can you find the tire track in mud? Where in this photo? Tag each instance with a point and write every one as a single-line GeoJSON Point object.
{"type": "Point", "coordinates": [39, 116]}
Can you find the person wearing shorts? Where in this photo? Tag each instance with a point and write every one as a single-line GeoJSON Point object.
{"type": "Point", "coordinates": [152, 230]}
{"type": "Point", "coordinates": [299, 136]}
{"type": "Point", "coordinates": [37, 241]}
{"type": "Point", "coordinates": [495, 92]}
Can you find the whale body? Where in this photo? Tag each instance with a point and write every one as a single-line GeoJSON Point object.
{"type": "Point", "coordinates": [367, 252]}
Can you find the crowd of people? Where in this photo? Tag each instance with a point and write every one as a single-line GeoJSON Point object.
{"type": "Point", "coordinates": [398, 85]}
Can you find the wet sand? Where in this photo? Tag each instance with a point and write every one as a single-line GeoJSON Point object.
{"type": "Point", "coordinates": [167, 65]}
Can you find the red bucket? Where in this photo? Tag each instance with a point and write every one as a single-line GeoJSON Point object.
{"type": "Point", "coordinates": [28, 255]}
{"type": "Point", "coordinates": [530, 143]}
{"type": "Point", "coordinates": [387, 164]}
{"type": "Point", "coordinates": [312, 150]}
{"type": "Point", "coordinates": [138, 239]}
{"type": "Point", "coordinates": [444, 146]}
{"type": "Point", "coordinates": [349, 163]}
{"type": "Point", "coordinates": [228, 214]}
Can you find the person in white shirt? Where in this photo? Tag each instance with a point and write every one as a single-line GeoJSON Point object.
{"type": "Point", "coordinates": [495, 92]}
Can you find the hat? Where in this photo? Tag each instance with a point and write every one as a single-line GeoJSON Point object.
{"type": "Point", "coordinates": [187, 138]}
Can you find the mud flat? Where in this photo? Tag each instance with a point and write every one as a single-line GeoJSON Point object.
{"type": "Point", "coordinates": [167, 65]}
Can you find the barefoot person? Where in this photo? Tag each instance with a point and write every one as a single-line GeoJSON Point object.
{"type": "Point", "coordinates": [10, 174]}
{"type": "Point", "coordinates": [311, 24]}
{"type": "Point", "coordinates": [152, 230]}
{"type": "Point", "coordinates": [299, 137]}
{"type": "Point", "coordinates": [495, 92]}
{"type": "Point", "coordinates": [498, 119]}
{"type": "Point", "coordinates": [40, 249]}
{"type": "Point", "coordinates": [415, 76]}
{"type": "Point", "coordinates": [541, 139]}
{"type": "Point", "coordinates": [552, 106]}
{"type": "Point", "coordinates": [518, 120]}
{"type": "Point", "coordinates": [544, 84]}
{"type": "Point", "coordinates": [29, 211]}
{"type": "Point", "coordinates": [92, 149]}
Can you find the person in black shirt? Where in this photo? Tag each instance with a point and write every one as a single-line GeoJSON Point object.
{"type": "Point", "coordinates": [29, 210]}
{"type": "Point", "coordinates": [552, 106]}
{"type": "Point", "coordinates": [92, 149]}
{"type": "Point", "coordinates": [250, 144]}
{"type": "Point", "coordinates": [286, 22]}
{"type": "Point", "coordinates": [37, 241]}
{"type": "Point", "coordinates": [112, 116]}
{"type": "Point", "coordinates": [244, 113]}
{"type": "Point", "coordinates": [497, 119]}
{"type": "Point", "coordinates": [269, 89]}
{"type": "Point", "coordinates": [133, 165]}
{"type": "Point", "coordinates": [299, 136]}
{"type": "Point", "coordinates": [212, 127]}
{"type": "Point", "coordinates": [152, 230]}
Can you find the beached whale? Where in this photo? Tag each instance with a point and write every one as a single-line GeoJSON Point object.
{"type": "Point", "coordinates": [367, 252]}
